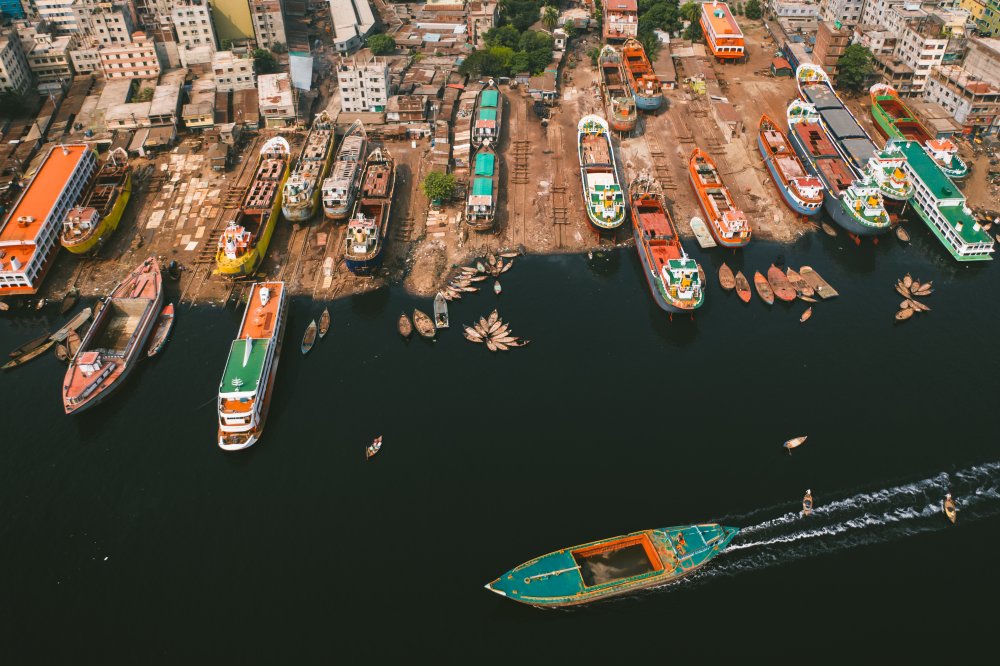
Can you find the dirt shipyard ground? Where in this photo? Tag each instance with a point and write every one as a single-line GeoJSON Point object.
{"type": "Point", "coordinates": [181, 206]}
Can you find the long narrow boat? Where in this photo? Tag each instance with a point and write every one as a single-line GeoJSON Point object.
{"type": "Point", "coordinates": [117, 339]}
{"type": "Point", "coordinates": [488, 116]}
{"type": "Point", "coordinates": [728, 224]}
{"type": "Point", "coordinates": [618, 98]}
{"type": "Point", "coordinates": [368, 230]}
{"type": "Point", "coordinates": [243, 244]}
{"type": "Point", "coordinates": [611, 567]}
{"type": "Point", "coordinates": [247, 383]}
{"type": "Point", "coordinates": [602, 193]}
{"type": "Point", "coordinates": [854, 203]}
{"type": "Point", "coordinates": [642, 80]}
{"type": "Point", "coordinates": [481, 206]}
{"type": "Point", "coordinates": [763, 288]}
{"type": "Point", "coordinates": [88, 224]}
{"type": "Point", "coordinates": [801, 191]}
{"type": "Point", "coordinates": [894, 120]}
{"type": "Point", "coordinates": [301, 195]}
{"type": "Point", "coordinates": [673, 277]}
{"type": "Point", "coordinates": [164, 323]}
{"type": "Point", "coordinates": [341, 188]}
{"type": "Point", "coordinates": [24, 358]}
{"type": "Point", "coordinates": [780, 284]}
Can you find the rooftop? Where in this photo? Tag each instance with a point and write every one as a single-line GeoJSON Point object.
{"type": "Point", "coordinates": [720, 19]}
{"type": "Point", "coordinates": [275, 89]}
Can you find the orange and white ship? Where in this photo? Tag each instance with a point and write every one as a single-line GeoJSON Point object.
{"type": "Point", "coordinates": [116, 341]}
{"type": "Point", "coordinates": [722, 33]}
{"type": "Point", "coordinates": [29, 237]}
{"type": "Point", "coordinates": [248, 380]}
{"type": "Point", "coordinates": [728, 224]}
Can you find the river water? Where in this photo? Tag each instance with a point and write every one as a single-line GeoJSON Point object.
{"type": "Point", "coordinates": [128, 536]}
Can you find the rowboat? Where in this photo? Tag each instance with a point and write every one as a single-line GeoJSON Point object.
{"type": "Point", "coordinates": [161, 332]}
{"type": "Point", "coordinates": [405, 327]}
{"type": "Point", "coordinates": [807, 503]}
{"type": "Point", "coordinates": [743, 287]}
{"type": "Point", "coordinates": [902, 235]}
{"type": "Point", "coordinates": [423, 323]}
{"type": "Point", "coordinates": [72, 343]}
{"type": "Point", "coordinates": [309, 339]}
{"type": "Point", "coordinates": [373, 448]}
{"type": "Point", "coordinates": [76, 322]}
{"type": "Point", "coordinates": [471, 334]}
{"type": "Point", "coordinates": [726, 279]}
{"type": "Point", "coordinates": [949, 508]}
{"type": "Point", "coordinates": [903, 315]}
{"type": "Point", "coordinates": [61, 353]}
{"type": "Point", "coordinates": [440, 311]}
{"type": "Point", "coordinates": [324, 322]}
{"type": "Point", "coordinates": [779, 283]}
{"type": "Point", "coordinates": [31, 344]}
{"type": "Point", "coordinates": [69, 300]}
{"type": "Point", "coordinates": [27, 356]}
{"type": "Point", "coordinates": [828, 230]}
{"type": "Point", "coordinates": [794, 443]}
{"type": "Point", "coordinates": [805, 315]}
{"type": "Point", "coordinates": [763, 288]}
{"type": "Point", "coordinates": [802, 287]}
{"type": "Point", "coordinates": [497, 288]}
{"type": "Point", "coordinates": [808, 299]}
{"type": "Point", "coordinates": [814, 280]}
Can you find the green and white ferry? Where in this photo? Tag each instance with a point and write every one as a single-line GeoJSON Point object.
{"type": "Point", "coordinates": [941, 205]}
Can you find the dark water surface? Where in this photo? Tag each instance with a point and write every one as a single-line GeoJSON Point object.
{"type": "Point", "coordinates": [127, 536]}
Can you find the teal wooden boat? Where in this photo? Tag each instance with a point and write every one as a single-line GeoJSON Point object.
{"type": "Point", "coordinates": [614, 566]}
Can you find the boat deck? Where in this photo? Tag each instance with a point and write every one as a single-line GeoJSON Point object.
{"type": "Point", "coordinates": [814, 138]}
{"type": "Point", "coordinates": [118, 326]}
{"type": "Point", "coordinates": [595, 150]}
{"type": "Point", "coordinates": [790, 166]}
{"type": "Point", "coordinates": [259, 320]}
{"type": "Point", "coordinates": [376, 182]}
{"type": "Point", "coordinates": [835, 172]}
{"type": "Point", "coordinates": [350, 149]}
{"type": "Point", "coordinates": [316, 146]}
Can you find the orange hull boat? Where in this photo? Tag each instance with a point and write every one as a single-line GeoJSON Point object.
{"type": "Point", "coordinates": [727, 223]}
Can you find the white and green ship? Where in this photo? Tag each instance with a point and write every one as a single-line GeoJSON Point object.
{"type": "Point", "coordinates": [941, 205]}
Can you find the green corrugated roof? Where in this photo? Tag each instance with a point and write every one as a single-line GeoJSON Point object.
{"type": "Point", "coordinates": [484, 164]}
{"type": "Point", "coordinates": [482, 186]}
{"type": "Point", "coordinates": [487, 114]}
{"type": "Point", "coordinates": [249, 374]}
{"type": "Point", "coordinates": [489, 98]}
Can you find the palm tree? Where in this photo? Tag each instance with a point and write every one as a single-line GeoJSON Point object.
{"type": "Point", "coordinates": [690, 11]}
{"type": "Point", "coordinates": [550, 17]}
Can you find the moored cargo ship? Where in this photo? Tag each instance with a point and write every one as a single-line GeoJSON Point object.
{"type": "Point", "coordinates": [100, 210]}
{"type": "Point", "coordinates": [29, 237]}
{"type": "Point", "coordinates": [618, 97]}
{"type": "Point", "coordinates": [116, 340]}
{"type": "Point", "coordinates": [341, 188]}
{"type": "Point", "coordinates": [728, 224]}
{"type": "Point", "coordinates": [368, 230]}
{"type": "Point", "coordinates": [644, 83]}
{"type": "Point", "coordinates": [854, 202]}
{"type": "Point", "coordinates": [894, 120]}
{"type": "Point", "coordinates": [301, 194]}
{"type": "Point", "coordinates": [488, 116]}
{"type": "Point", "coordinates": [672, 275]}
{"type": "Point", "coordinates": [244, 241]}
{"type": "Point", "coordinates": [481, 205]}
{"type": "Point", "coordinates": [611, 567]}
{"type": "Point", "coordinates": [801, 191]}
{"type": "Point", "coordinates": [247, 384]}
{"type": "Point", "coordinates": [602, 192]}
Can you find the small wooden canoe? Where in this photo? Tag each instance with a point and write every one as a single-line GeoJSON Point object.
{"type": "Point", "coordinates": [31, 345]}
{"type": "Point", "coordinates": [27, 356]}
{"type": "Point", "coordinates": [405, 327]}
{"type": "Point", "coordinates": [907, 280]}
{"type": "Point", "coordinates": [324, 322]}
{"type": "Point", "coordinates": [161, 332]}
{"type": "Point", "coordinates": [424, 324]}
{"type": "Point", "coordinates": [902, 235]}
{"type": "Point", "coordinates": [76, 322]}
{"type": "Point", "coordinates": [309, 339]}
{"type": "Point", "coordinates": [828, 230]}
{"type": "Point", "coordinates": [918, 306]}
{"type": "Point", "coordinates": [72, 343]}
{"type": "Point", "coordinates": [702, 234]}
{"type": "Point", "coordinates": [950, 510]}
{"type": "Point", "coordinates": [69, 300]}
{"type": "Point", "coordinates": [497, 288]}
{"type": "Point", "coordinates": [491, 345]}
{"type": "Point", "coordinates": [763, 288]}
{"type": "Point", "coordinates": [440, 311]}
{"type": "Point", "coordinates": [726, 279]}
{"type": "Point", "coordinates": [743, 287]}
{"type": "Point", "coordinates": [903, 315]}
{"type": "Point", "coordinates": [806, 315]}
{"type": "Point", "coordinates": [807, 503]}
{"type": "Point", "coordinates": [492, 318]}
{"type": "Point", "coordinates": [794, 443]}
{"type": "Point", "coordinates": [471, 334]}
{"type": "Point", "coordinates": [808, 299]}
{"type": "Point", "coordinates": [802, 287]}
{"type": "Point", "coordinates": [814, 280]}
{"type": "Point", "coordinates": [783, 289]}
{"type": "Point", "coordinates": [373, 448]}
{"type": "Point", "coordinates": [61, 352]}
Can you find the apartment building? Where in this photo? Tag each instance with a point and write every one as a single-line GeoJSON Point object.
{"type": "Point", "coordinates": [846, 12]}
{"type": "Point", "coordinates": [232, 73]}
{"type": "Point", "coordinates": [832, 39]}
{"type": "Point", "coordinates": [50, 62]}
{"type": "Point", "coordinates": [276, 99]}
{"type": "Point", "coordinates": [482, 16]}
{"type": "Point", "coordinates": [621, 19]}
{"type": "Point", "coordinates": [353, 21]}
{"type": "Point", "coordinates": [58, 14]}
{"type": "Point", "coordinates": [364, 86]}
{"type": "Point", "coordinates": [268, 22]}
{"type": "Point", "coordinates": [974, 103]}
{"type": "Point", "coordinates": [15, 75]}
{"type": "Point", "coordinates": [137, 60]}
{"type": "Point", "coordinates": [192, 21]}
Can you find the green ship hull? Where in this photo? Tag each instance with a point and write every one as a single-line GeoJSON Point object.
{"type": "Point", "coordinates": [615, 566]}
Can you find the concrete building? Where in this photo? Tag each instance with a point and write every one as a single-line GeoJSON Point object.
{"type": "Point", "coordinates": [49, 61]}
{"type": "Point", "coordinates": [983, 59]}
{"type": "Point", "coordinates": [275, 99]}
{"type": "Point", "coordinates": [364, 86]}
{"type": "Point", "coordinates": [482, 16]}
{"type": "Point", "coordinates": [137, 60]}
{"type": "Point", "coordinates": [268, 22]}
{"type": "Point", "coordinates": [795, 14]}
{"type": "Point", "coordinates": [15, 75]}
{"type": "Point", "coordinates": [831, 42]}
{"type": "Point", "coordinates": [621, 19]}
{"type": "Point", "coordinates": [353, 21]}
{"type": "Point", "coordinates": [58, 14]}
{"type": "Point", "coordinates": [233, 73]}
{"type": "Point", "coordinates": [199, 113]}
{"type": "Point", "coordinates": [722, 33]}
{"type": "Point", "coordinates": [846, 12]}
{"type": "Point", "coordinates": [105, 22]}
{"type": "Point", "coordinates": [232, 20]}
{"type": "Point", "coordinates": [989, 24]}
{"type": "Point", "coordinates": [12, 9]}
{"type": "Point", "coordinates": [196, 42]}
{"type": "Point", "coordinates": [974, 103]}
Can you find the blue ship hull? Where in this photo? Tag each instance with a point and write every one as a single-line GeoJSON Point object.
{"type": "Point", "coordinates": [792, 202]}
{"type": "Point", "coordinates": [648, 103]}
{"type": "Point", "coordinates": [365, 267]}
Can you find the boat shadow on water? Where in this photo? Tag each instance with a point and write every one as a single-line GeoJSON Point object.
{"type": "Point", "coordinates": [371, 304]}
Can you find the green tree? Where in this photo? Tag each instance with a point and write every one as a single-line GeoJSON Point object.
{"type": "Point", "coordinates": [505, 35]}
{"type": "Point", "coordinates": [752, 10]}
{"type": "Point", "coordinates": [381, 44]}
{"type": "Point", "coordinates": [594, 54]}
{"type": "Point", "coordinates": [691, 11]}
{"type": "Point", "coordinates": [439, 186]}
{"type": "Point", "coordinates": [279, 47]}
{"type": "Point", "coordinates": [854, 68]}
{"type": "Point", "coordinates": [264, 62]}
{"type": "Point", "coordinates": [550, 17]}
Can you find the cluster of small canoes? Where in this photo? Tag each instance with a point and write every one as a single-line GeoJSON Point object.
{"type": "Point", "coordinates": [421, 321]}
{"type": "Point", "coordinates": [314, 330]}
{"type": "Point", "coordinates": [492, 265]}
{"type": "Point", "coordinates": [492, 331]}
{"type": "Point", "coordinates": [788, 285]}
{"type": "Point", "coordinates": [910, 289]}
